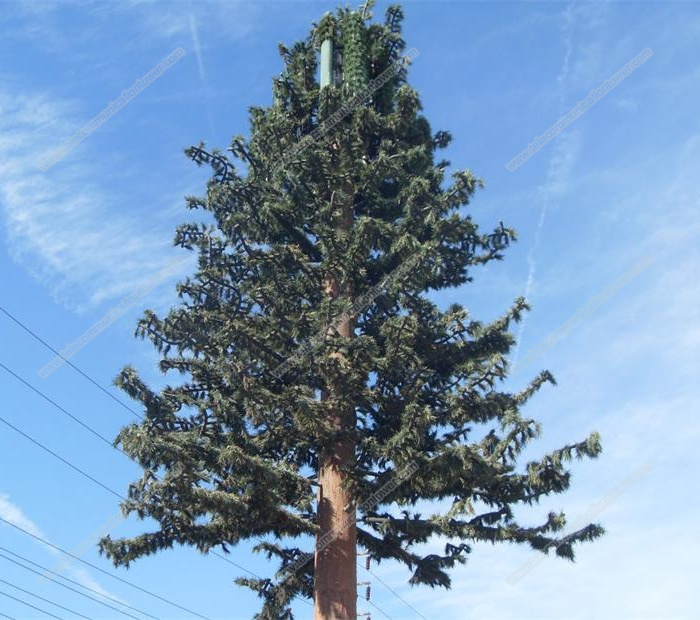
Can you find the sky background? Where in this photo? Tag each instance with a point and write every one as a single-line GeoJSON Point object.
{"type": "Point", "coordinates": [612, 188]}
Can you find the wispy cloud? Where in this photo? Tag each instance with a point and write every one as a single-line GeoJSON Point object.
{"type": "Point", "coordinates": [566, 148]}
{"type": "Point", "coordinates": [15, 515]}
{"type": "Point", "coordinates": [60, 225]}
{"type": "Point", "coordinates": [194, 32]}
{"type": "Point", "coordinates": [232, 20]}
{"type": "Point", "coordinates": [561, 165]}
{"type": "Point", "coordinates": [84, 578]}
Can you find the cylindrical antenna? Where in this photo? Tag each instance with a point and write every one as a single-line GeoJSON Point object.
{"type": "Point", "coordinates": [327, 62]}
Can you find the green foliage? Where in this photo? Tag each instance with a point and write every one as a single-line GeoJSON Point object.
{"type": "Point", "coordinates": [229, 450]}
{"type": "Point", "coordinates": [355, 58]}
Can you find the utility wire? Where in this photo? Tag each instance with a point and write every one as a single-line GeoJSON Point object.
{"type": "Point", "coordinates": [394, 592]}
{"type": "Point", "coordinates": [19, 600]}
{"type": "Point", "coordinates": [41, 598]}
{"type": "Point", "coordinates": [225, 559]}
{"type": "Point", "coordinates": [71, 364]}
{"type": "Point", "coordinates": [243, 568]}
{"type": "Point", "coordinates": [78, 469]}
{"type": "Point", "coordinates": [55, 404]}
{"type": "Point", "coordinates": [94, 432]}
{"type": "Point", "coordinates": [63, 585]}
{"type": "Point", "coordinates": [386, 615]}
{"type": "Point", "coordinates": [60, 458]}
{"type": "Point", "coordinates": [101, 570]}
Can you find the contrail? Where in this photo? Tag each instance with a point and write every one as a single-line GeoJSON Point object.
{"type": "Point", "coordinates": [553, 162]}
{"type": "Point", "coordinates": [194, 31]}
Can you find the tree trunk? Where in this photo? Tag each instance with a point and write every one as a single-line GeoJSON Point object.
{"type": "Point", "coordinates": [335, 586]}
{"type": "Point", "coordinates": [335, 581]}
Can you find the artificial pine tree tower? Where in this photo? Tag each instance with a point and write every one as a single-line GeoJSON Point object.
{"type": "Point", "coordinates": [266, 437]}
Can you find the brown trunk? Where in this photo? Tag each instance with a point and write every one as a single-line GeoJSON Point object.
{"type": "Point", "coordinates": [335, 583]}
{"type": "Point", "coordinates": [335, 587]}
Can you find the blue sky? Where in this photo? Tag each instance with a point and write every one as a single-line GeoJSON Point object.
{"type": "Point", "coordinates": [613, 187]}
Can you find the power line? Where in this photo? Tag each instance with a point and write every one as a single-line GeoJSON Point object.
{"type": "Point", "coordinates": [101, 570]}
{"type": "Point", "coordinates": [113, 492]}
{"type": "Point", "coordinates": [386, 615]}
{"type": "Point", "coordinates": [41, 598]}
{"type": "Point", "coordinates": [49, 400]}
{"type": "Point", "coordinates": [55, 404]}
{"type": "Point", "coordinates": [104, 486]}
{"type": "Point", "coordinates": [76, 583]}
{"type": "Point", "coordinates": [394, 592]}
{"type": "Point", "coordinates": [243, 568]}
{"type": "Point", "coordinates": [73, 366]}
{"type": "Point", "coordinates": [225, 559]}
{"type": "Point", "coordinates": [104, 439]}
{"type": "Point", "coordinates": [19, 600]}
{"type": "Point", "coordinates": [60, 458]}
{"type": "Point", "coordinates": [78, 469]}
{"type": "Point", "coordinates": [63, 585]}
